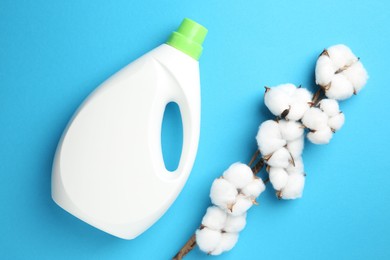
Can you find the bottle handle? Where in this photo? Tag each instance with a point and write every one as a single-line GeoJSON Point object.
{"type": "Point", "coordinates": [190, 117]}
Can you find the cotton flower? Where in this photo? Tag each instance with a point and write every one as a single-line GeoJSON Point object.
{"type": "Point", "coordinates": [340, 88]}
{"type": "Point", "coordinates": [278, 177]}
{"type": "Point", "coordinates": [335, 117]}
{"type": "Point", "coordinates": [254, 188]}
{"type": "Point", "coordinates": [243, 203]}
{"type": "Point", "coordinates": [321, 136]}
{"type": "Point", "coordinates": [297, 166]}
{"type": "Point", "coordinates": [323, 121]}
{"type": "Point", "coordinates": [341, 56]}
{"type": "Point", "coordinates": [227, 242]}
{"type": "Point", "coordinates": [315, 119]}
{"type": "Point", "coordinates": [324, 70]}
{"type": "Point", "coordinates": [223, 193]}
{"type": "Point", "coordinates": [340, 72]}
{"type": "Point", "coordinates": [238, 174]}
{"type": "Point", "coordinates": [233, 195]}
{"type": "Point", "coordinates": [214, 218]}
{"type": "Point", "coordinates": [208, 239]}
{"type": "Point", "coordinates": [336, 122]}
{"type": "Point", "coordinates": [269, 138]}
{"type": "Point", "coordinates": [296, 146]}
{"type": "Point", "coordinates": [300, 103]}
{"type": "Point", "coordinates": [287, 101]}
{"type": "Point", "coordinates": [280, 158]}
{"type": "Point", "coordinates": [290, 130]}
{"type": "Point", "coordinates": [278, 99]}
{"type": "Point", "coordinates": [329, 106]}
{"type": "Point", "coordinates": [357, 75]}
{"type": "Point", "coordinates": [294, 186]}
{"type": "Point", "coordinates": [235, 224]}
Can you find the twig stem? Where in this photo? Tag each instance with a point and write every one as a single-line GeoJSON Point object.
{"type": "Point", "coordinates": [188, 246]}
{"type": "Point", "coordinates": [254, 157]}
{"type": "Point", "coordinates": [317, 96]}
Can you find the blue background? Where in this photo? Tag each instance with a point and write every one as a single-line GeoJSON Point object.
{"type": "Point", "coordinates": [52, 54]}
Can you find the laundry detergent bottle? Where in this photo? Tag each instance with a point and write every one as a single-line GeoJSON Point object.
{"type": "Point", "coordinates": [108, 169]}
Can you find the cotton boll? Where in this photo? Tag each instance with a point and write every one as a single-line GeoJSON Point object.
{"type": "Point", "coordinates": [341, 56]}
{"type": "Point", "coordinates": [329, 106]}
{"type": "Point", "coordinates": [281, 158]}
{"type": "Point", "coordinates": [336, 122]}
{"type": "Point", "coordinates": [215, 218]}
{"type": "Point", "coordinates": [315, 119]}
{"type": "Point", "coordinates": [228, 241]}
{"type": "Point", "coordinates": [270, 129]}
{"type": "Point", "coordinates": [254, 188]}
{"type": "Point", "coordinates": [288, 88]}
{"type": "Point", "coordinates": [302, 95]}
{"type": "Point", "coordinates": [208, 239]}
{"type": "Point", "coordinates": [299, 104]}
{"type": "Point", "coordinates": [290, 130]}
{"type": "Point", "coordinates": [322, 136]}
{"type": "Point", "coordinates": [278, 177]}
{"type": "Point", "coordinates": [297, 110]}
{"type": "Point", "coordinates": [269, 138]}
{"type": "Point", "coordinates": [296, 147]}
{"type": "Point", "coordinates": [235, 224]}
{"type": "Point", "coordinates": [340, 88]}
{"type": "Point", "coordinates": [357, 75]}
{"type": "Point", "coordinates": [347, 77]}
{"type": "Point", "coordinates": [297, 167]}
{"type": "Point", "coordinates": [239, 175]}
{"type": "Point", "coordinates": [294, 187]}
{"type": "Point", "coordinates": [223, 193]}
{"type": "Point", "coordinates": [217, 251]}
{"type": "Point", "coordinates": [276, 100]}
{"type": "Point", "coordinates": [241, 206]}
{"type": "Point", "coordinates": [324, 70]}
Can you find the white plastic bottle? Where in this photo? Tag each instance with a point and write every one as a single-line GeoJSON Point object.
{"type": "Point", "coordinates": [108, 169]}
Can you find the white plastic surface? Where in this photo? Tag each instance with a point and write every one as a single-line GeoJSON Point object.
{"type": "Point", "coordinates": [109, 169]}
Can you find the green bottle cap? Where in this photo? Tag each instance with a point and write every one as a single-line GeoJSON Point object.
{"type": "Point", "coordinates": [189, 38]}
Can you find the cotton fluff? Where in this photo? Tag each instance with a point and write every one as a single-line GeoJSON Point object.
{"type": "Point", "coordinates": [233, 195]}
{"type": "Point", "coordinates": [227, 242]}
{"type": "Point", "coordinates": [340, 72]}
{"type": "Point", "coordinates": [280, 158]}
{"type": "Point", "coordinates": [278, 99]}
{"type": "Point", "coordinates": [235, 224]}
{"type": "Point", "coordinates": [340, 88]}
{"type": "Point", "coordinates": [336, 122]}
{"type": "Point", "coordinates": [357, 75]}
{"type": "Point", "coordinates": [297, 166]}
{"type": "Point", "coordinates": [329, 106]}
{"type": "Point", "coordinates": [321, 136]}
{"type": "Point", "coordinates": [254, 188]}
{"type": "Point", "coordinates": [214, 218]}
{"type": "Point", "coordinates": [294, 186]}
{"type": "Point", "coordinates": [243, 203]}
{"type": "Point", "coordinates": [341, 56]}
{"type": "Point", "coordinates": [238, 174]}
{"type": "Point", "coordinates": [278, 177]}
{"type": "Point", "coordinates": [269, 138]}
{"type": "Point", "coordinates": [208, 239]}
{"type": "Point", "coordinates": [324, 70]}
{"type": "Point", "coordinates": [296, 147]}
{"type": "Point", "coordinates": [289, 99]}
{"type": "Point", "coordinates": [223, 193]}
{"type": "Point", "coordinates": [315, 119]}
{"type": "Point", "coordinates": [290, 130]}
{"type": "Point", "coordinates": [300, 103]}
